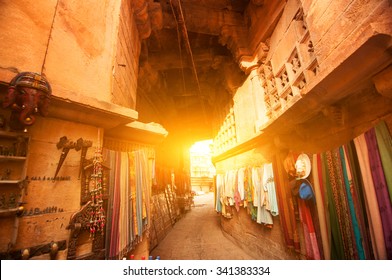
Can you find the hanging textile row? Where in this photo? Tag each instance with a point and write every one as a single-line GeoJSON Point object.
{"type": "Point", "coordinates": [250, 187]}
{"type": "Point", "coordinates": [348, 212]}
{"type": "Point", "coordinates": [128, 206]}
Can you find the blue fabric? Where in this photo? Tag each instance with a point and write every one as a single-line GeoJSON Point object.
{"type": "Point", "coordinates": [354, 220]}
{"type": "Point", "coordinates": [305, 191]}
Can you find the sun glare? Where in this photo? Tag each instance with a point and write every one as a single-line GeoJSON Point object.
{"type": "Point", "coordinates": [201, 147]}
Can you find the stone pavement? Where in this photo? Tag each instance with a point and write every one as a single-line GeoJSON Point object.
{"type": "Point", "coordinates": [198, 236]}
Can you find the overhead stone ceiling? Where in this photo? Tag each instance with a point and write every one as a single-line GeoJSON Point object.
{"type": "Point", "coordinates": [188, 74]}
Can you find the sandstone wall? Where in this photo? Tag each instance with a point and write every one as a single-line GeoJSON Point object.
{"type": "Point", "coordinates": [257, 240]}
{"type": "Point", "coordinates": [340, 46]}
{"type": "Point", "coordinates": [87, 56]}
{"type": "Point", "coordinates": [126, 64]}
{"type": "Point", "coordinates": [38, 225]}
{"type": "Point", "coordinates": [23, 40]}
{"type": "Point", "coordinates": [89, 52]}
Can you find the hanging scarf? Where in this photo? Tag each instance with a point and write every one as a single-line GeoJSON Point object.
{"type": "Point", "coordinates": [380, 185]}
{"type": "Point", "coordinates": [269, 187]}
{"type": "Point", "coordinates": [340, 199]}
{"type": "Point", "coordinates": [128, 202]}
{"type": "Point", "coordinates": [142, 183]}
{"type": "Point", "coordinates": [263, 215]}
{"type": "Point", "coordinates": [132, 196]}
{"type": "Point", "coordinates": [110, 157]}
{"type": "Point", "coordinates": [241, 186]}
{"type": "Point", "coordinates": [114, 244]}
{"type": "Point", "coordinates": [286, 206]}
{"type": "Point", "coordinates": [257, 186]}
{"type": "Point", "coordinates": [219, 187]}
{"type": "Point", "coordinates": [337, 250]}
{"type": "Point", "coordinates": [248, 185]}
{"type": "Point", "coordinates": [311, 245]}
{"type": "Point", "coordinates": [321, 205]}
{"type": "Point", "coordinates": [237, 196]}
{"type": "Point", "coordinates": [376, 232]}
{"type": "Point", "coordinates": [139, 194]}
{"type": "Point", "coordinates": [384, 142]}
{"type": "Point", "coordinates": [349, 189]}
{"type": "Point", "coordinates": [123, 227]}
{"type": "Point", "coordinates": [359, 199]}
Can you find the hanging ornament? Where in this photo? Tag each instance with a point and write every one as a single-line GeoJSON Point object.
{"type": "Point", "coordinates": [97, 215]}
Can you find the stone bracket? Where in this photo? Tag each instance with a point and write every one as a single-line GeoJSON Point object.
{"type": "Point", "coordinates": [383, 82]}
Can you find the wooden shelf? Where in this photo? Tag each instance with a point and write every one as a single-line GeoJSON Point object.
{"type": "Point", "coordinates": [8, 212]}
{"type": "Point", "coordinates": [12, 158]}
{"type": "Point", "coordinates": [10, 181]}
{"type": "Point", "coordinates": [14, 163]}
{"type": "Point", "coordinates": [12, 134]}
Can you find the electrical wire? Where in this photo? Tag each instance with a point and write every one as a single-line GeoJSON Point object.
{"type": "Point", "coordinates": [50, 35]}
{"type": "Point", "coordinates": [181, 21]}
{"type": "Point", "coordinates": [179, 47]}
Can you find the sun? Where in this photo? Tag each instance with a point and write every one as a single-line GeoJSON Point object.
{"type": "Point", "coordinates": [201, 147]}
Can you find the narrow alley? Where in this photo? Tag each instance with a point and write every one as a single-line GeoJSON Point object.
{"type": "Point", "coordinates": [198, 236]}
{"type": "Point", "coordinates": [103, 101]}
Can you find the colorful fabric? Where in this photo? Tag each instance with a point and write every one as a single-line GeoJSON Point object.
{"type": "Point", "coordinates": [352, 217]}
{"type": "Point", "coordinates": [123, 226]}
{"type": "Point", "coordinates": [337, 249]}
{"type": "Point", "coordinates": [349, 189]}
{"type": "Point", "coordinates": [260, 202]}
{"type": "Point", "coordinates": [384, 143]}
{"type": "Point", "coordinates": [140, 165]}
{"type": "Point", "coordinates": [311, 244]}
{"type": "Point", "coordinates": [114, 244]}
{"type": "Point", "coordinates": [248, 188]}
{"type": "Point", "coordinates": [321, 205]}
{"type": "Point", "coordinates": [380, 185]}
{"type": "Point", "coordinates": [359, 199]}
{"type": "Point", "coordinates": [110, 160]}
{"type": "Point", "coordinates": [241, 186]}
{"type": "Point", "coordinates": [248, 184]}
{"type": "Point", "coordinates": [129, 186]}
{"type": "Point", "coordinates": [340, 200]}
{"type": "Point", "coordinates": [286, 205]}
{"type": "Point", "coordinates": [269, 187]}
{"type": "Point", "coordinates": [237, 196]}
{"type": "Point", "coordinates": [372, 209]}
{"type": "Point", "coordinates": [258, 193]}
{"type": "Point", "coordinates": [218, 198]}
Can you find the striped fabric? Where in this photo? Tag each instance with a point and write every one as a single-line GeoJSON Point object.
{"type": "Point", "coordinates": [384, 203]}
{"type": "Point", "coordinates": [375, 224]}
{"type": "Point", "coordinates": [129, 192]}
{"type": "Point", "coordinates": [352, 217]}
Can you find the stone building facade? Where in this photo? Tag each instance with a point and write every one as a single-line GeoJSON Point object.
{"type": "Point", "coordinates": [89, 54]}
{"type": "Point", "coordinates": [311, 87]}
{"type": "Point", "coordinates": [282, 78]}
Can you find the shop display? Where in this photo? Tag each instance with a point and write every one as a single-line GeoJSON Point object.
{"type": "Point", "coordinates": [13, 183]}
{"type": "Point", "coordinates": [350, 213]}
{"type": "Point", "coordinates": [92, 217]}
{"type": "Point", "coordinates": [252, 188]}
{"type": "Point", "coordinates": [13, 164]}
{"type": "Point", "coordinates": [97, 214]}
{"type": "Point", "coordinates": [129, 204]}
